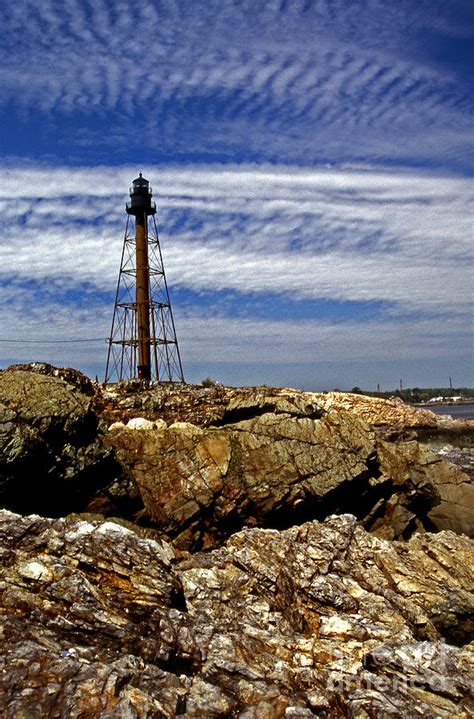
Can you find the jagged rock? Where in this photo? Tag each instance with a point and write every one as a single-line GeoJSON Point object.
{"type": "Point", "coordinates": [378, 412]}
{"type": "Point", "coordinates": [289, 618]}
{"type": "Point", "coordinates": [432, 488]}
{"type": "Point", "coordinates": [320, 619]}
{"type": "Point", "coordinates": [282, 467]}
{"type": "Point", "coordinates": [72, 376]}
{"type": "Point", "coordinates": [455, 510]}
{"type": "Point", "coordinates": [220, 405]}
{"type": "Point", "coordinates": [172, 403]}
{"type": "Point", "coordinates": [87, 607]}
{"type": "Point", "coordinates": [50, 458]}
{"type": "Point", "coordinates": [405, 481]}
{"type": "Point", "coordinates": [271, 457]}
{"type": "Point", "coordinates": [199, 485]}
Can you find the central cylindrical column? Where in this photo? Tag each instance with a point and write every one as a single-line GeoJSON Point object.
{"type": "Point", "coordinates": [143, 295]}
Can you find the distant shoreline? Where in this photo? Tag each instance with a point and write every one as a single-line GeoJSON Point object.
{"type": "Point", "coordinates": [457, 410]}
{"type": "Point", "coordinates": [444, 403]}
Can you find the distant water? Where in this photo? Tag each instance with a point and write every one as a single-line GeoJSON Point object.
{"type": "Point", "coordinates": [457, 411]}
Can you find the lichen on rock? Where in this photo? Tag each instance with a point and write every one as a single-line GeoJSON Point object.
{"type": "Point", "coordinates": [274, 553]}
{"type": "Point", "coordinates": [51, 457]}
{"type": "Point", "coordinates": [322, 619]}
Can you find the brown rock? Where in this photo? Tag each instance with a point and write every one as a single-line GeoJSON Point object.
{"type": "Point", "coordinates": [321, 618]}
{"type": "Point", "coordinates": [220, 405]}
{"type": "Point", "coordinates": [455, 510]}
{"type": "Point", "coordinates": [72, 376]}
{"type": "Point", "coordinates": [261, 456]}
{"type": "Point", "coordinates": [431, 485]}
{"type": "Point", "coordinates": [198, 485]}
{"type": "Point", "coordinates": [378, 412]}
{"type": "Point", "coordinates": [277, 469]}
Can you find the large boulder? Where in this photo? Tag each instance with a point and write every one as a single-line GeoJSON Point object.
{"type": "Point", "coordinates": [51, 460]}
{"type": "Point", "coordinates": [436, 489]}
{"type": "Point", "coordinates": [260, 457]}
{"type": "Point", "coordinates": [276, 461]}
{"type": "Point", "coordinates": [70, 375]}
{"type": "Point", "coordinates": [200, 485]}
{"type": "Point", "coordinates": [321, 619]}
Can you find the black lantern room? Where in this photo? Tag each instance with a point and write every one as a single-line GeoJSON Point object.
{"type": "Point", "coordinates": [140, 198]}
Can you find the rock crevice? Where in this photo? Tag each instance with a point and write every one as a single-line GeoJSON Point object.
{"type": "Point", "coordinates": [254, 590]}
{"type": "Point", "coordinates": [323, 618]}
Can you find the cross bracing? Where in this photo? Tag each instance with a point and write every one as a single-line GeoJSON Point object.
{"type": "Point", "coordinates": [122, 358]}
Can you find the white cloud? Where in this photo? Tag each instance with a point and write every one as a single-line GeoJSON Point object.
{"type": "Point", "coordinates": [296, 81]}
{"type": "Point", "coordinates": [339, 234]}
{"type": "Point", "coordinates": [212, 337]}
{"type": "Point", "coordinates": [344, 234]}
{"type": "Point", "coordinates": [313, 78]}
{"type": "Point", "coordinates": [251, 341]}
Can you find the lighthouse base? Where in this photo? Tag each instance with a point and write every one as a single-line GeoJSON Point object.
{"type": "Point", "coordinates": [144, 371]}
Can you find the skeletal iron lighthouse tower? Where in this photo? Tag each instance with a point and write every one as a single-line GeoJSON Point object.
{"type": "Point", "coordinates": [142, 341]}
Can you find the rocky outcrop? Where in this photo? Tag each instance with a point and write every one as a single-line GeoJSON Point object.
{"type": "Point", "coordinates": [322, 619]}
{"type": "Point", "coordinates": [51, 460]}
{"type": "Point", "coordinates": [430, 485]}
{"type": "Point", "coordinates": [218, 405]}
{"type": "Point", "coordinates": [378, 412]}
{"type": "Point", "coordinates": [295, 608]}
{"type": "Point", "coordinates": [172, 403]}
{"type": "Point", "coordinates": [251, 457]}
{"type": "Point", "coordinates": [200, 485]}
{"type": "Point", "coordinates": [285, 466]}
{"type": "Point", "coordinates": [72, 376]}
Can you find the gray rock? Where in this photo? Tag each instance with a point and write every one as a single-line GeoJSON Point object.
{"type": "Point", "coordinates": [322, 619]}
{"type": "Point", "coordinates": [51, 458]}
{"type": "Point", "coordinates": [72, 376]}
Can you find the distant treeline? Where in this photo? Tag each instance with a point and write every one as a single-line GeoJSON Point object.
{"type": "Point", "coordinates": [415, 395]}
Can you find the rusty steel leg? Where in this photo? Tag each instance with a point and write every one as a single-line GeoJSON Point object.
{"type": "Point", "coordinates": [142, 297]}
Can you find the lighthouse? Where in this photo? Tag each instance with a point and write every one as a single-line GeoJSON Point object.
{"type": "Point", "coordinates": [142, 343]}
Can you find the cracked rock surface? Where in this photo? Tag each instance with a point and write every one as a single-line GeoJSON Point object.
{"type": "Point", "coordinates": [322, 619]}
{"type": "Point", "coordinates": [280, 468]}
{"type": "Point", "coordinates": [248, 457]}
{"type": "Point", "coordinates": [50, 456]}
{"type": "Point", "coordinates": [271, 555]}
{"type": "Point", "coordinates": [205, 406]}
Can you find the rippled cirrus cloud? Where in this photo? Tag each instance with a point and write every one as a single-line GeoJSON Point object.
{"type": "Point", "coordinates": [310, 161]}
{"type": "Point", "coordinates": [335, 233]}
{"type": "Point", "coordinates": [247, 237]}
{"type": "Point", "coordinates": [287, 81]}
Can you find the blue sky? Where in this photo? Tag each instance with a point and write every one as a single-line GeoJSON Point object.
{"type": "Point", "coordinates": [312, 165]}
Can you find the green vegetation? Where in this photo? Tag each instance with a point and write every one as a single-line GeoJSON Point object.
{"type": "Point", "coordinates": [208, 382]}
